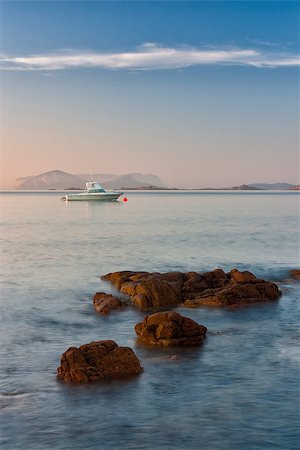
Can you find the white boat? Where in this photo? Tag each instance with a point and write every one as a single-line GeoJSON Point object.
{"type": "Point", "coordinates": [93, 191]}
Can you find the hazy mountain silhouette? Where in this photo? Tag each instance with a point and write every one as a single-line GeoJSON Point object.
{"type": "Point", "coordinates": [271, 186]}
{"type": "Point", "coordinates": [57, 179]}
{"type": "Point", "coordinates": [134, 180]}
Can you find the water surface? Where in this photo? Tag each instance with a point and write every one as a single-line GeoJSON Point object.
{"type": "Point", "coordinates": [240, 390]}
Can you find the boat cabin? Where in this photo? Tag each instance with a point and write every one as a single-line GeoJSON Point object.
{"type": "Point", "coordinates": [93, 187]}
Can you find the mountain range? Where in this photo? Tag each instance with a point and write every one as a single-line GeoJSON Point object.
{"type": "Point", "coordinates": [57, 179]}
{"type": "Point", "coordinates": [265, 187]}
{"type": "Point", "coordinates": [273, 186]}
{"type": "Point", "coordinates": [130, 180]}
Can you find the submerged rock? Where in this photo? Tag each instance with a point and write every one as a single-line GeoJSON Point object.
{"type": "Point", "coordinates": [105, 303]}
{"type": "Point", "coordinates": [295, 273]}
{"type": "Point", "coordinates": [170, 328]}
{"type": "Point", "coordinates": [192, 289]}
{"type": "Point", "coordinates": [96, 361]}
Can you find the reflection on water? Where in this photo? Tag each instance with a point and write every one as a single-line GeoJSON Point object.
{"type": "Point", "coordinates": [238, 391]}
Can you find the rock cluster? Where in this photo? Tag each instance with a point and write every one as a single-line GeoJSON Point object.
{"type": "Point", "coordinates": [235, 288]}
{"type": "Point", "coordinates": [169, 328]}
{"type": "Point", "coordinates": [96, 361]}
{"type": "Point", "coordinates": [105, 359]}
{"type": "Point", "coordinates": [192, 289]}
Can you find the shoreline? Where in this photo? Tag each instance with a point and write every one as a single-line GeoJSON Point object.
{"type": "Point", "coordinates": [173, 190]}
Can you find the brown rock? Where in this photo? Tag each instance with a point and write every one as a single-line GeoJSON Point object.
{"type": "Point", "coordinates": [237, 293]}
{"type": "Point", "coordinates": [105, 303]}
{"type": "Point", "coordinates": [194, 282]}
{"type": "Point", "coordinates": [295, 274]}
{"type": "Point", "coordinates": [148, 290]}
{"type": "Point", "coordinates": [118, 278]}
{"type": "Point", "coordinates": [242, 277]}
{"type": "Point", "coordinates": [128, 288]}
{"type": "Point", "coordinates": [197, 283]}
{"type": "Point", "coordinates": [169, 328]}
{"type": "Point", "coordinates": [96, 361]}
{"type": "Point", "coordinates": [235, 288]}
{"type": "Point", "coordinates": [216, 278]}
{"type": "Point", "coordinates": [155, 290]}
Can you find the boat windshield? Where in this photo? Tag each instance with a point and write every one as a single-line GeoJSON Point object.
{"type": "Point", "coordinates": [96, 190]}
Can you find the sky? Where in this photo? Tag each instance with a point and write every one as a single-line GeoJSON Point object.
{"type": "Point", "coordinates": [200, 93]}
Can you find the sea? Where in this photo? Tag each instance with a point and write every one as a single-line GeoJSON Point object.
{"type": "Point", "coordinates": [239, 391]}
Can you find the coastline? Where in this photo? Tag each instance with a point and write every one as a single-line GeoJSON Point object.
{"type": "Point", "coordinates": [165, 190]}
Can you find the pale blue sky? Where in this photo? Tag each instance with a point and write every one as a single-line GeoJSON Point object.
{"type": "Point", "coordinates": [200, 93]}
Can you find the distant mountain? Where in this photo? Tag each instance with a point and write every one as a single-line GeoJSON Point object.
{"type": "Point", "coordinates": [99, 177]}
{"type": "Point", "coordinates": [272, 186]}
{"type": "Point", "coordinates": [148, 179]}
{"type": "Point", "coordinates": [125, 182]}
{"type": "Point", "coordinates": [244, 187]}
{"type": "Point", "coordinates": [136, 180]}
{"type": "Point", "coordinates": [57, 179]}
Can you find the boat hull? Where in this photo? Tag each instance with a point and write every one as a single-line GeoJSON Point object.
{"type": "Point", "coordinates": [102, 197]}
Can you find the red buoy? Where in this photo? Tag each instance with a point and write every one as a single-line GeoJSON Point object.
{"type": "Point", "coordinates": [125, 199]}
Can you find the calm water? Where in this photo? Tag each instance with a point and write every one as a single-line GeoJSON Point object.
{"type": "Point", "coordinates": [240, 390]}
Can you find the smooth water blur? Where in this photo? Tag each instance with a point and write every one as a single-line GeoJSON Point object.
{"type": "Point", "coordinates": [240, 390]}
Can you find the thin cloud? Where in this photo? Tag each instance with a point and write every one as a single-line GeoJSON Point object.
{"type": "Point", "coordinates": [149, 56]}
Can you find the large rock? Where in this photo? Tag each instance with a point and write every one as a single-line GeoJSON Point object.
{"type": "Point", "coordinates": [96, 361]}
{"type": "Point", "coordinates": [105, 303]}
{"type": "Point", "coordinates": [241, 288]}
{"type": "Point", "coordinates": [192, 289]}
{"type": "Point", "coordinates": [149, 290]}
{"type": "Point", "coordinates": [169, 328]}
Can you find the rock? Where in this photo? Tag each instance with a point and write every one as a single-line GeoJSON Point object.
{"type": "Point", "coordinates": [169, 328]}
{"type": "Point", "coordinates": [237, 292]}
{"type": "Point", "coordinates": [295, 274]}
{"type": "Point", "coordinates": [96, 361]}
{"type": "Point", "coordinates": [156, 290]}
{"type": "Point", "coordinates": [118, 278]}
{"type": "Point", "coordinates": [105, 303]}
{"type": "Point", "coordinates": [196, 283]}
{"type": "Point", "coordinates": [149, 290]}
{"type": "Point", "coordinates": [242, 277]}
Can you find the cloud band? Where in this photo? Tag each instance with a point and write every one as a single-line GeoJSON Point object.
{"type": "Point", "coordinates": [149, 57]}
